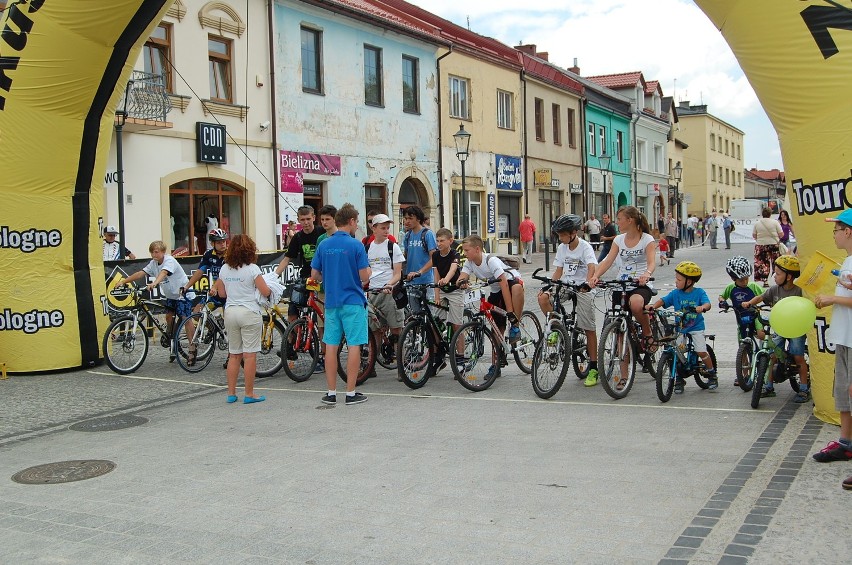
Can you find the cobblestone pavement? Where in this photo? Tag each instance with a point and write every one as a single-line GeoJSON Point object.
{"type": "Point", "coordinates": [437, 475]}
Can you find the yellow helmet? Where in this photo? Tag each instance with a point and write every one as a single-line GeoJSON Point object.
{"type": "Point", "coordinates": [789, 264]}
{"type": "Point", "coordinates": [689, 269]}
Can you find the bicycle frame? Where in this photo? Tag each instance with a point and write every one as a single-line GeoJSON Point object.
{"type": "Point", "coordinates": [426, 314]}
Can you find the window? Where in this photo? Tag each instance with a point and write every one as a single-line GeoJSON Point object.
{"type": "Point", "coordinates": [739, 155]}
{"type": "Point", "coordinates": [641, 155]}
{"type": "Point", "coordinates": [726, 147]}
{"type": "Point", "coordinates": [619, 146]}
{"type": "Point", "coordinates": [219, 54]}
{"type": "Point", "coordinates": [602, 139]}
{"type": "Point", "coordinates": [372, 76]}
{"type": "Point", "coordinates": [727, 176]}
{"type": "Point", "coordinates": [739, 179]}
{"type": "Point", "coordinates": [157, 54]}
{"type": "Point", "coordinates": [311, 60]}
{"type": "Point", "coordinates": [713, 172]}
{"type": "Point", "coordinates": [557, 124]}
{"type": "Point", "coordinates": [712, 142]}
{"type": "Point", "coordinates": [592, 144]}
{"type": "Point", "coordinates": [192, 201]}
{"type": "Point", "coordinates": [658, 158]}
{"type": "Point", "coordinates": [459, 104]}
{"type": "Point", "coordinates": [374, 198]}
{"type": "Point", "coordinates": [572, 137]}
{"type": "Point", "coordinates": [539, 119]}
{"type": "Point", "coordinates": [504, 109]}
{"type": "Point", "coordinates": [410, 85]}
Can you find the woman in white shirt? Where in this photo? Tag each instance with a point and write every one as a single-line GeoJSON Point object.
{"type": "Point", "coordinates": [635, 253]}
{"type": "Point", "coordinates": [238, 279]}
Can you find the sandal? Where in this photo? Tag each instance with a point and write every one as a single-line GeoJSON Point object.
{"type": "Point", "coordinates": [619, 386]}
{"type": "Point", "coordinates": [190, 356]}
{"type": "Point", "coordinates": [649, 344]}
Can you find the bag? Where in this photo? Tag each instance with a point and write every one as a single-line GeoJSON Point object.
{"type": "Point", "coordinates": [511, 261]}
{"type": "Point", "coordinates": [733, 226]}
{"type": "Point", "coordinates": [299, 295]}
{"type": "Point", "coordinates": [400, 297]}
{"type": "Point", "coordinates": [782, 249]}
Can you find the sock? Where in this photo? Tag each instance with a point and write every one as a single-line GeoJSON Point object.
{"type": "Point", "coordinates": [350, 394]}
{"type": "Point", "coordinates": [593, 365]}
{"type": "Point", "coordinates": [804, 388]}
{"type": "Point", "coordinates": [332, 393]}
{"type": "Point", "coordinates": [847, 443]}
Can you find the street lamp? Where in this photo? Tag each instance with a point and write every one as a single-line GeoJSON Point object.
{"type": "Point", "coordinates": [678, 174]}
{"type": "Point", "coordinates": [120, 120]}
{"type": "Point", "coordinates": [462, 139]}
{"type": "Point", "coordinates": [605, 159]}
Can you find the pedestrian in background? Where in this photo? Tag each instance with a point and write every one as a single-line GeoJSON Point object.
{"type": "Point", "coordinates": [593, 229]}
{"type": "Point", "coordinates": [691, 225]}
{"type": "Point", "coordinates": [727, 227]}
{"type": "Point", "coordinates": [712, 229]}
{"type": "Point", "coordinates": [671, 234]}
{"type": "Point", "coordinates": [238, 279]}
{"type": "Point", "coordinates": [608, 233]}
{"type": "Point", "coordinates": [527, 231]}
{"type": "Point", "coordinates": [787, 228]}
{"type": "Point", "coordinates": [767, 235]}
{"type": "Point", "coordinates": [113, 250]}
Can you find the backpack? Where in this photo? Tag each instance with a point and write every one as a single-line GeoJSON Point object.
{"type": "Point", "coordinates": [511, 261]}
{"type": "Point", "coordinates": [398, 292]}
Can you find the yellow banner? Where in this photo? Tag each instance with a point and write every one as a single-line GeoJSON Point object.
{"type": "Point", "coordinates": [60, 62]}
{"type": "Point", "coordinates": [799, 61]}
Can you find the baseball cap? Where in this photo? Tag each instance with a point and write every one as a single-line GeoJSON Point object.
{"type": "Point", "coordinates": [381, 219]}
{"type": "Point", "coordinates": [111, 229]}
{"type": "Point", "coordinates": [845, 217]}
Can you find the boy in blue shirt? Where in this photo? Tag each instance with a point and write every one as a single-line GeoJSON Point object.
{"type": "Point", "coordinates": [688, 296]}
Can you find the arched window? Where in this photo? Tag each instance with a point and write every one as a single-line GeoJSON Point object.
{"type": "Point", "coordinates": [198, 205]}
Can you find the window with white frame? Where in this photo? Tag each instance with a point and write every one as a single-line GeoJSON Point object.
{"type": "Point", "coordinates": [504, 109]}
{"type": "Point", "coordinates": [619, 145]}
{"type": "Point", "coordinates": [459, 98]}
{"type": "Point", "coordinates": [658, 158]}
{"type": "Point", "coordinates": [641, 155]}
{"type": "Point", "coordinates": [592, 144]}
{"type": "Point", "coordinates": [602, 139]}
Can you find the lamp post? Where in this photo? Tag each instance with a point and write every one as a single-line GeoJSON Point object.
{"type": "Point", "coordinates": [462, 139]}
{"type": "Point", "coordinates": [605, 159]}
{"type": "Point", "coordinates": [120, 120]}
{"type": "Point", "coordinates": [678, 174]}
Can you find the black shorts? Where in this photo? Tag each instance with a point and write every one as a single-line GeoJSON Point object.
{"type": "Point", "coordinates": [645, 292]}
{"type": "Point", "coordinates": [496, 298]}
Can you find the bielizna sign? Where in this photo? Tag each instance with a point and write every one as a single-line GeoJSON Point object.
{"type": "Point", "coordinates": [509, 172]}
{"type": "Point", "coordinates": [315, 163]}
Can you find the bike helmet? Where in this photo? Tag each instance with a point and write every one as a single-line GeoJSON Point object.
{"type": "Point", "coordinates": [689, 269]}
{"type": "Point", "coordinates": [566, 222]}
{"type": "Point", "coordinates": [789, 264]}
{"type": "Point", "coordinates": [738, 267]}
{"type": "Point", "coordinates": [218, 235]}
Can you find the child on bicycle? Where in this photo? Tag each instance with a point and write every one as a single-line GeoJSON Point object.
{"type": "Point", "coordinates": [786, 270]}
{"type": "Point", "coordinates": [508, 290]}
{"type": "Point", "coordinates": [693, 301]}
{"type": "Point", "coordinates": [739, 291]}
{"type": "Point", "coordinates": [575, 263]}
{"type": "Point", "coordinates": [210, 265]}
{"type": "Point", "coordinates": [445, 260]}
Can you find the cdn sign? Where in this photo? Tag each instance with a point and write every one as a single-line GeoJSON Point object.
{"type": "Point", "coordinates": [210, 143]}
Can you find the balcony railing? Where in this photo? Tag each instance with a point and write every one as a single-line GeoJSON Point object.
{"type": "Point", "coordinates": [145, 98]}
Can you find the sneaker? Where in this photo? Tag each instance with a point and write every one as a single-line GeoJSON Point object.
{"type": "Point", "coordinates": [442, 364]}
{"type": "Point", "coordinates": [320, 368]}
{"type": "Point", "coordinates": [591, 378]}
{"type": "Point", "coordinates": [553, 338]}
{"type": "Point", "coordinates": [678, 389]}
{"type": "Point", "coordinates": [802, 396]}
{"type": "Point", "coordinates": [514, 334]}
{"type": "Point", "coordinates": [490, 374]}
{"type": "Point", "coordinates": [329, 399]}
{"type": "Point", "coordinates": [768, 392]}
{"type": "Point", "coordinates": [834, 451]}
{"type": "Point", "coordinates": [712, 380]}
{"type": "Point", "coordinates": [356, 399]}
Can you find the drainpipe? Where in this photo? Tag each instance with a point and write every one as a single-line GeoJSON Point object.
{"type": "Point", "coordinates": [526, 168]}
{"type": "Point", "coordinates": [634, 165]}
{"type": "Point", "coordinates": [440, 130]}
{"type": "Point", "coordinates": [584, 167]}
{"type": "Point", "coordinates": [274, 120]}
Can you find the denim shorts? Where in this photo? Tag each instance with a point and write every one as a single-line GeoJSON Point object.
{"type": "Point", "coordinates": [797, 344]}
{"type": "Point", "coordinates": [349, 320]}
{"type": "Point", "coordinates": [182, 307]}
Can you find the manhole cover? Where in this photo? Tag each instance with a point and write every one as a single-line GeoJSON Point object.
{"type": "Point", "coordinates": [109, 423]}
{"type": "Point", "coordinates": [63, 472]}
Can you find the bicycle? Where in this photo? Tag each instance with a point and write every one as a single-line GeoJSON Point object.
{"type": "Point", "coordinates": [563, 341]}
{"type": "Point", "coordinates": [386, 344]}
{"type": "Point", "coordinates": [125, 343]}
{"type": "Point", "coordinates": [209, 335]}
{"type": "Point", "coordinates": [473, 336]}
{"type": "Point", "coordinates": [748, 344]}
{"type": "Point", "coordinates": [621, 342]}
{"type": "Point", "coordinates": [300, 344]}
{"type": "Point", "coordinates": [679, 359]}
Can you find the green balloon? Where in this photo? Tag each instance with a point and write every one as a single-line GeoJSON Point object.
{"type": "Point", "coordinates": [793, 316]}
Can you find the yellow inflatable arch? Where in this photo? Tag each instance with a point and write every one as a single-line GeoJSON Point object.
{"type": "Point", "coordinates": [798, 58]}
{"type": "Point", "coordinates": [60, 62]}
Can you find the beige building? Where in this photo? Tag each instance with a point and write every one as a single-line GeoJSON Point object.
{"type": "Point", "coordinates": [713, 165]}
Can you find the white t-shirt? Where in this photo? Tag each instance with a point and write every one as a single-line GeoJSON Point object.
{"type": "Point", "coordinates": [575, 263]}
{"type": "Point", "coordinates": [112, 251]}
{"type": "Point", "coordinates": [380, 263]}
{"type": "Point", "coordinates": [491, 268]}
{"type": "Point", "coordinates": [691, 222]}
{"type": "Point", "coordinates": [633, 261]}
{"type": "Point", "coordinates": [840, 331]}
{"type": "Point", "coordinates": [593, 227]}
{"type": "Point", "coordinates": [239, 286]}
{"type": "Point", "coordinates": [174, 281]}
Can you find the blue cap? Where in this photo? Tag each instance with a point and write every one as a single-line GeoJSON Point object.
{"type": "Point", "coordinates": [845, 217]}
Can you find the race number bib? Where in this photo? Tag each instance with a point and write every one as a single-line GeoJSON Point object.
{"type": "Point", "coordinates": [471, 297]}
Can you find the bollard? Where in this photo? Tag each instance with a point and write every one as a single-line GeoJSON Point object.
{"type": "Point", "coordinates": [546, 255]}
{"type": "Point", "coordinates": [509, 247]}
{"type": "Point", "coordinates": [3, 375]}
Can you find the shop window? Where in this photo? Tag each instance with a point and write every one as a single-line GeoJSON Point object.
{"type": "Point", "coordinates": [196, 206]}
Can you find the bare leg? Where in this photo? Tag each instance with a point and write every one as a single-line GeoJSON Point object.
{"type": "Point", "coordinates": [249, 368]}
{"type": "Point", "coordinates": [353, 364]}
{"type": "Point", "coordinates": [233, 372]}
{"type": "Point", "coordinates": [592, 344]}
{"type": "Point", "coordinates": [637, 306]}
{"type": "Point", "coordinates": [331, 365]}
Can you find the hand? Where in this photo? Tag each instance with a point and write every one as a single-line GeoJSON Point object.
{"type": "Point", "coordinates": [822, 301]}
{"type": "Point", "coordinates": [388, 288]}
{"type": "Point", "coordinates": [462, 283]}
{"type": "Point", "coordinates": [745, 305]}
{"type": "Point", "coordinates": [649, 307]}
{"type": "Point", "coordinates": [595, 281]}
{"type": "Point", "coordinates": [723, 305]}
{"type": "Point", "coordinates": [412, 275]}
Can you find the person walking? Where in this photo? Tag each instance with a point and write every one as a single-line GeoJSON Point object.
{"type": "Point", "coordinates": [767, 234]}
{"type": "Point", "coordinates": [238, 279]}
{"type": "Point", "coordinates": [712, 229]}
{"type": "Point", "coordinates": [608, 233]}
{"type": "Point", "coordinates": [787, 228]}
{"type": "Point", "coordinates": [527, 231]}
{"type": "Point", "coordinates": [691, 225]}
{"type": "Point", "coordinates": [671, 234]}
{"type": "Point", "coordinates": [727, 227]}
{"type": "Point", "coordinates": [593, 229]}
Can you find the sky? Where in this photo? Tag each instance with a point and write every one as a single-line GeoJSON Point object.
{"type": "Point", "coordinates": [671, 41]}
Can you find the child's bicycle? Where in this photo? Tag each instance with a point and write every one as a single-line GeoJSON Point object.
{"type": "Point", "coordinates": [748, 343]}
{"type": "Point", "coordinates": [562, 341]}
{"type": "Point", "coordinates": [679, 360]}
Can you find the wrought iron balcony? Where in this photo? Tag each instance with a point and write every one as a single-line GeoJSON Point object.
{"type": "Point", "coordinates": [145, 98]}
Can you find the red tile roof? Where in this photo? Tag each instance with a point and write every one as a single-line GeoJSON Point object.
{"type": "Point", "coordinates": [387, 14]}
{"type": "Point", "coordinates": [620, 80]}
{"type": "Point", "coordinates": [540, 69]}
{"type": "Point", "coordinates": [652, 86]}
{"type": "Point", "coordinates": [771, 174]}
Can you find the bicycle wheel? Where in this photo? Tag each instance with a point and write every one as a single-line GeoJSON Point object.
{"type": "Point", "coordinates": [550, 361]}
{"type": "Point", "coordinates": [414, 365]}
{"type": "Point", "coordinates": [580, 353]}
{"type": "Point", "coordinates": [203, 342]}
{"type": "Point", "coordinates": [480, 363]}
{"type": "Point", "coordinates": [386, 350]}
{"type": "Point", "coordinates": [761, 371]}
{"type": "Point", "coordinates": [269, 360]}
{"type": "Point", "coordinates": [702, 381]}
{"type": "Point", "coordinates": [368, 359]}
{"type": "Point", "coordinates": [524, 349]}
{"type": "Point", "coordinates": [299, 350]}
{"type": "Point", "coordinates": [744, 356]}
{"type": "Point", "coordinates": [665, 377]}
{"type": "Point", "coordinates": [616, 359]}
{"type": "Point", "coordinates": [125, 348]}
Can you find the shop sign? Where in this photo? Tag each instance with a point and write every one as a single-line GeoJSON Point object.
{"type": "Point", "coordinates": [210, 143]}
{"type": "Point", "coordinates": [492, 211]}
{"type": "Point", "coordinates": [509, 175]}
{"type": "Point", "coordinates": [313, 163]}
{"type": "Point", "coordinates": [542, 177]}
{"type": "Point", "coordinates": [575, 188]}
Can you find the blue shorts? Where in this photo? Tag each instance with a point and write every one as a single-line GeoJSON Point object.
{"type": "Point", "coordinates": [182, 307]}
{"type": "Point", "coordinates": [797, 344]}
{"type": "Point", "coordinates": [349, 320]}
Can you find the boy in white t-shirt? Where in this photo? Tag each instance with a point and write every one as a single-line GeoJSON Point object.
{"type": "Point", "coordinates": [576, 263]}
{"type": "Point", "coordinates": [508, 290]}
{"type": "Point", "coordinates": [387, 271]}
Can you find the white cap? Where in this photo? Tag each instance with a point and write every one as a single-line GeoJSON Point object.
{"type": "Point", "coordinates": [111, 229]}
{"type": "Point", "coordinates": [381, 219]}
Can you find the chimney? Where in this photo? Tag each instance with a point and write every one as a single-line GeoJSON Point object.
{"type": "Point", "coordinates": [683, 104]}
{"type": "Point", "coordinates": [543, 55]}
{"type": "Point", "coordinates": [529, 49]}
{"type": "Point", "coordinates": [575, 69]}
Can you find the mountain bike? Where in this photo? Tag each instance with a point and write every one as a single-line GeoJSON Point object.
{"type": "Point", "coordinates": [125, 343]}
{"type": "Point", "coordinates": [785, 368]}
{"type": "Point", "coordinates": [620, 343]}
{"type": "Point", "coordinates": [386, 341]}
{"type": "Point", "coordinates": [300, 343]}
{"type": "Point", "coordinates": [486, 348]}
{"type": "Point", "coordinates": [208, 336]}
{"type": "Point", "coordinates": [562, 341]}
{"type": "Point", "coordinates": [679, 360]}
